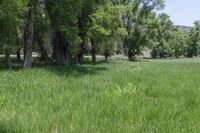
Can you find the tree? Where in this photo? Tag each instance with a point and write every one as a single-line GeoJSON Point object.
{"type": "Point", "coordinates": [104, 27]}
{"type": "Point", "coordinates": [194, 40]}
{"type": "Point", "coordinates": [64, 22]}
{"type": "Point", "coordinates": [164, 27]}
{"type": "Point", "coordinates": [84, 23]}
{"type": "Point", "coordinates": [137, 12]}
{"type": "Point", "coordinates": [29, 32]}
{"type": "Point", "coordinates": [42, 43]}
{"type": "Point", "coordinates": [178, 42]}
{"type": "Point", "coordinates": [10, 11]}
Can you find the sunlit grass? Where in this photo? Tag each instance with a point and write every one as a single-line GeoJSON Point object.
{"type": "Point", "coordinates": [118, 96]}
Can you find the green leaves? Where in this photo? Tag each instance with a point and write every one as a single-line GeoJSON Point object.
{"type": "Point", "coordinates": [162, 30]}
{"type": "Point", "coordinates": [138, 23]}
{"type": "Point", "coordinates": [10, 11]}
{"type": "Point", "coordinates": [194, 40]}
{"type": "Point", "coordinates": [103, 21]}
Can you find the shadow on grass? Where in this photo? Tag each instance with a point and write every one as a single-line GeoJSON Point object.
{"type": "Point", "coordinates": [7, 131]}
{"type": "Point", "coordinates": [73, 70]}
{"type": "Point", "coordinates": [16, 66]}
{"type": "Point", "coordinates": [4, 129]}
{"type": "Point", "coordinates": [140, 60]}
{"type": "Point", "coordinates": [67, 70]}
{"type": "Point", "coordinates": [99, 62]}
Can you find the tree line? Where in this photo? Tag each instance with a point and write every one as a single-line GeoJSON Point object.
{"type": "Point", "coordinates": [63, 31]}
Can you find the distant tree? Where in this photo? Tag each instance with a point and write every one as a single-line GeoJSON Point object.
{"type": "Point", "coordinates": [137, 12]}
{"type": "Point", "coordinates": [178, 42]}
{"type": "Point", "coordinates": [164, 27]}
{"type": "Point", "coordinates": [67, 29]}
{"type": "Point", "coordinates": [194, 40]}
{"type": "Point", "coordinates": [106, 26]}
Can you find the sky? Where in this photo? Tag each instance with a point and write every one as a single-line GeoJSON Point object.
{"type": "Point", "coordinates": [183, 12]}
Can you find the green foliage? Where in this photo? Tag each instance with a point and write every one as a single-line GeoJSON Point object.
{"type": "Point", "coordinates": [194, 40]}
{"type": "Point", "coordinates": [106, 27]}
{"type": "Point", "coordinates": [135, 21]}
{"type": "Point", "coordinates": [42, 27]}
{"type": "Point", "coordinates": [103, 21]}
{"type": "Point", "coordinates": [163, 32]}
{"type": "Point", "coordinates": [63, 16]}
{"type": "Point", "coordinates": [10, 11]}
{"type": "Point", "coordinates": [103, 27]}
{"type": "Point", "coordinates": [178, 43]}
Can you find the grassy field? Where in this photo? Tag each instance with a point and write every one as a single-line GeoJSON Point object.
{"type": "Point", "coordinates": [152, 96]}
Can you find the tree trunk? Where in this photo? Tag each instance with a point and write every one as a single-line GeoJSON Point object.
{"type": "Point", "coordinates": [125, 47]}
{"type": "Point", "coordinates": [94, 57]}
{"type": "Point", "coordinates": [8, 59]}
{"type": "Point", "coordinates": [130, 55]}
{"type": "Point", "coordinates": [59, 49]}
{"type": "Point", "coordinates": [130, 58]}
{"type": "Point", "coordinates": [83, 31]}
{"type": "Point", "coordinates": [18, 55]}
{"type": "Point", "coordinates": [18, 47]}
{"type": "Point", "coordinates": [93, 51]}
{"type": "Point", "coordinates": [81, 53]}
{"type": "Point", "coordinates": [81, 58]}
{"type": "Point", "coordinates": [44, 55]}
{"type": "Point", "coordinates": [106, 57]}
{"type": "Point", "coordinates": [28, 38]}
{"type": "Point", "coordinates": [69, 56]}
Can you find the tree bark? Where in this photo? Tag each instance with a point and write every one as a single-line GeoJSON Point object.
{"type": "Point", "coordinates": [130, 56]}
{"type": "Point", "coordinates": [106, 58]}
{"type": "Point", "coordinates": [18, 55]}
{"type": "Point", "coordinates": [130, 53]}
{"type": "Point", "coordinates": [125, 46]}
{"type": "Point", "coordinates": [81, 56]}
{"type": "Point", "coordinates": [18, 47]}
{"type": "Point", "coordinates": [44, 55]}
{"type": "Point", "coordinates": [93, 51]}
{"type": "Point", "coordinates": [8, 59]}
{"type": "Point", "coordinates": [59, 49]}
{"type": "Point", "coordinates": [28, 38]}
{"type": "Point", "coordinates": [94, 57]}
{"type": "Point", "coordinates": [83, 31]}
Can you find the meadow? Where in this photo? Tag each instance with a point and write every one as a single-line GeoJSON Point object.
{"type": "Point", "coordinates": [147, 96]}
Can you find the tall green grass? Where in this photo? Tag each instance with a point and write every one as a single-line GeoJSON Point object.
{"type": "Point", "coordinates": [119, 96]}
